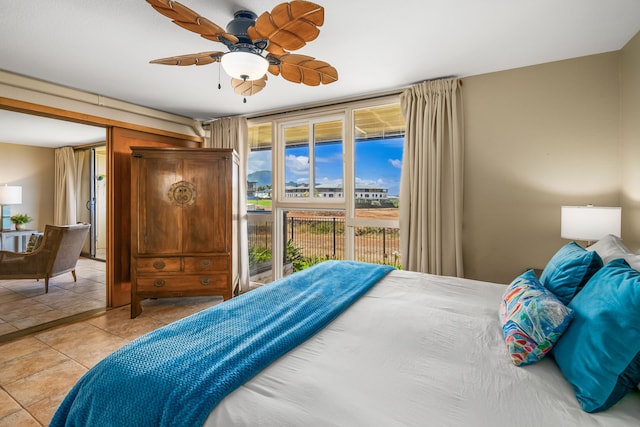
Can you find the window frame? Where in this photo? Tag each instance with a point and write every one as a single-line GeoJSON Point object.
{"type": "Point", "coordinates": [279, 164]}
{"type": "Point", "coordinates": [280, 203]}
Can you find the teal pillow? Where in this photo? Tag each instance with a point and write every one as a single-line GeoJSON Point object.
{"type": "Point", "coordinates": [532, 319]}
{"type": "Point", "coordinates": [599, 353]}
{"type": "Point", "coordinates": [568, 270]}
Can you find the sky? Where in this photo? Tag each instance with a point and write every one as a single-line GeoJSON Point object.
{"type": "Point", "coordinates": [378, 162]}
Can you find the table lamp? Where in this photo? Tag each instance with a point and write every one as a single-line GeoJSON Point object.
{"type": "Point", "coordinates": [9, 195]}
{"type": "Point", "coordinates": [589, 223]}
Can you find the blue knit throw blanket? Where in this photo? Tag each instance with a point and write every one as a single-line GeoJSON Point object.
{"type": "Point", "coordinates": [176, 375]}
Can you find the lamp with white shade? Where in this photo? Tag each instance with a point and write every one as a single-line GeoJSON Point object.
{"type": "Point", "coordinates": [589, 223]}
{"type": "Point", "coordinates": [9, 195]}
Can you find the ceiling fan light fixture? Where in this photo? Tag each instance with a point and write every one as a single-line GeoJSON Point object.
{"type": "Point", "coordinates": [244, 65]}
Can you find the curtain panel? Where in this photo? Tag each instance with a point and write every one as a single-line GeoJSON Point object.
{"type": "Point", "coordinates": [432, 178]}
{"type": "Point", "coordinates": [232, 132]}
{"type": "Point", "coordinates": [64, 196]}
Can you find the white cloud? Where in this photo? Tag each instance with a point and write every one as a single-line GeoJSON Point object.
{"type": "Point", "coordinates": [336, 157]}
{"type": "Point", "coordinates": [365, 181]}
{"type": "Point", "coordinates": [330, 181]}
{"type": "Point", "coordinates": [396, 163]}
{"type": "Point", "coordinates": [297, 165]}
{"type": "Point", "coordinates": [259, 161]}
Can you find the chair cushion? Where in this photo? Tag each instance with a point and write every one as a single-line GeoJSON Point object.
{"type": "Point", "coordinates": [34, 242]}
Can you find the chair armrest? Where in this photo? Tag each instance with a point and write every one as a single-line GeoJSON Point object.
{"type": "Point", "coordinates": [16, 263]}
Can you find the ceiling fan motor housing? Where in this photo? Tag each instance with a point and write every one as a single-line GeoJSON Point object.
{"type": "Point", "coordinates": [242, 20]}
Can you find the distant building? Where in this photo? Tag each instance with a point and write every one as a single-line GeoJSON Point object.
{"type": "Point", "coordinates": [365, 192]}
{"type": "Point", "coordinates": [371, 192]}
{"type": "Point", "coordinates": [263, 194]}
{"type": "Point", "coordinates": [296, 191]}
{"type": "Point", "coordinates": [251, 189]}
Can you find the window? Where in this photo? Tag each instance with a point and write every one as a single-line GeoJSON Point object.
{"type": "Point", "coordinates": [379, 140]}
{"type": "Point", "coordinates": [324, 185]}
{"type": "Point", "coordinates": [259, 171]}
{"type": "Point", "coordinates": [259, 207]}
{"type": "Point", "coordinates": [313, 154]}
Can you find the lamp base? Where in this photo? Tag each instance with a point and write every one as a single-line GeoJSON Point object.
{"type": "Point", "coordinates": [6, 217]}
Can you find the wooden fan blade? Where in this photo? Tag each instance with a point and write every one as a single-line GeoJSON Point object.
{"type": "Point", "coordinates": [202, 58]}
{"type": "Point", "coordinates": [274, 69]}
{"type": "Point", "coordinates": [248, 87]}
{"type": "Point", "coordinates": [305, 69]}
{"type": "Point", "coordinates": [191, 20]}
{"type": "Point", "coordinates": [289, 25]}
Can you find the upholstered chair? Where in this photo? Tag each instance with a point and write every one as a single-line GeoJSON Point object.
{"type": "Point", "coordinates": [58, 253]}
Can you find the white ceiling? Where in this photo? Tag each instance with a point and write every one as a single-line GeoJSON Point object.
{"type": "Point", "coordinates": [104, 47]}
{"type": "Point", "coordinates": [17, 128]}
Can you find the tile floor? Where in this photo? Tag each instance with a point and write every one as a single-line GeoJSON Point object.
{"type": "Point", "coordinates": [36, 371]}
{"type": "Point", "coordinates": [25, 305]}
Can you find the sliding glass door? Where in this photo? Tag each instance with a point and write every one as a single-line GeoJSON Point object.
{"type": "Point", "coordinates": [91, 205]}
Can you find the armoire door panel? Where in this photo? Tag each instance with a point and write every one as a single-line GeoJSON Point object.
{"type": "Point", "coordinates": [159, 218]}
{"type": "Point", "coordinates": [205, 223]}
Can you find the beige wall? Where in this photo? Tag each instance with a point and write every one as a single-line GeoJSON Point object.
{"type": "Point", "coordinates": [32, 168]}
{"type": "Point", "coordinates": [537, 138]}
{"type": "Point", "coordinates": [630, 141]}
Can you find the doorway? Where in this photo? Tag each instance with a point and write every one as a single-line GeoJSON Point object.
{"type": "Point", "coordinates": [91, 164]}
{"type": "Point", "coordinates": [27, 161]}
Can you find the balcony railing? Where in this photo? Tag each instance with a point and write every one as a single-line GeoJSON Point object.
{"type": "Point", "coordinates": [311, 240]}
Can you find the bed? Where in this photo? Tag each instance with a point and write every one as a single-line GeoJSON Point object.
{"type": "Point", "coordinates": [410, 349]}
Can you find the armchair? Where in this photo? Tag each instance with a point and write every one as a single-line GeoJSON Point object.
{"type": "Point", "coordinates": [57, 254]}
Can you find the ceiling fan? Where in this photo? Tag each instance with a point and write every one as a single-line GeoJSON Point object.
{"type": "Point", "coordinates": [289, 26]}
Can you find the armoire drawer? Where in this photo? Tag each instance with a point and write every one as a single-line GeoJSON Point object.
{"type": "Point", "coordinates": [193, 264]}
{"type": "Point", "coordinates": [160, 283]}
{"type": "Point", "coordinates": [156, 265]}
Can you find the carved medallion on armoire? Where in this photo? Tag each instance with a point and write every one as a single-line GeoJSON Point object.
{"type": "Point", "coordinates": [183, 213]}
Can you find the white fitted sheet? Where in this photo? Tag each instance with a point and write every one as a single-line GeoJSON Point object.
{"type": "Point", "coordinates": [416, 350]}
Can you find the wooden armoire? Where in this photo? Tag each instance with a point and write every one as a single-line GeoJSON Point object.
{"type": "Point", "coordinates": [183, 223]}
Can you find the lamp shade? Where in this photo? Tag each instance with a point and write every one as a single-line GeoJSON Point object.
{"type": "Point", "coordinates": [589, 223]}
{"type": "Point", "coordinates": [10, 195]}
{"type": "Point", "coordinates": [244, 65]}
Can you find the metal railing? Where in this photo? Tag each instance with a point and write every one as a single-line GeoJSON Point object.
{"type": "Point", "coordinates": [321, 238]}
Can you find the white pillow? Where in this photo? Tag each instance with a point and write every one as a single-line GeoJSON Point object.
{"type": "Point", "coordinates": [611, 247]}
{"type": "Point", "coordinates": [633, 261]}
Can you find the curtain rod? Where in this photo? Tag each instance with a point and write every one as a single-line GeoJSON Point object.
{"type": "Point", "coordinates": [339, 102]}
{"type": "Point", "coordinates": [314, 106]}
{"type": "Point", "coordinates": [329, 104]}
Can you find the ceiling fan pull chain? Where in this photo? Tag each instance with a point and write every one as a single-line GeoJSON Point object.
{"type": "Point", "coordinates": [219, 85]}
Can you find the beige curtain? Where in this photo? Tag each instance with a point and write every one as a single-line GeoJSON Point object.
{"type": "Point", "coordinates": [64, 196]}
{"type": "Point", "coordinates": [431, 180]}
{"type": "Point", "coordinates": [83, 185]}
{"type": "Point", "coordinates": [232, 132]}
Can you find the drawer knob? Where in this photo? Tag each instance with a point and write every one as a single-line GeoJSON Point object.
{"type": "Point", "coordinates": [205, 281]}
{"type": "Point", "coordinates": [159, 265]}
{"type": "Point", "coordinates": [158, 283]}
{"type": "Point", "coordinates": [205, 263]}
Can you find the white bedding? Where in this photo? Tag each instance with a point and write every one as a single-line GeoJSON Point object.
{"type": "Point", "coordinates": [416, 350]}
